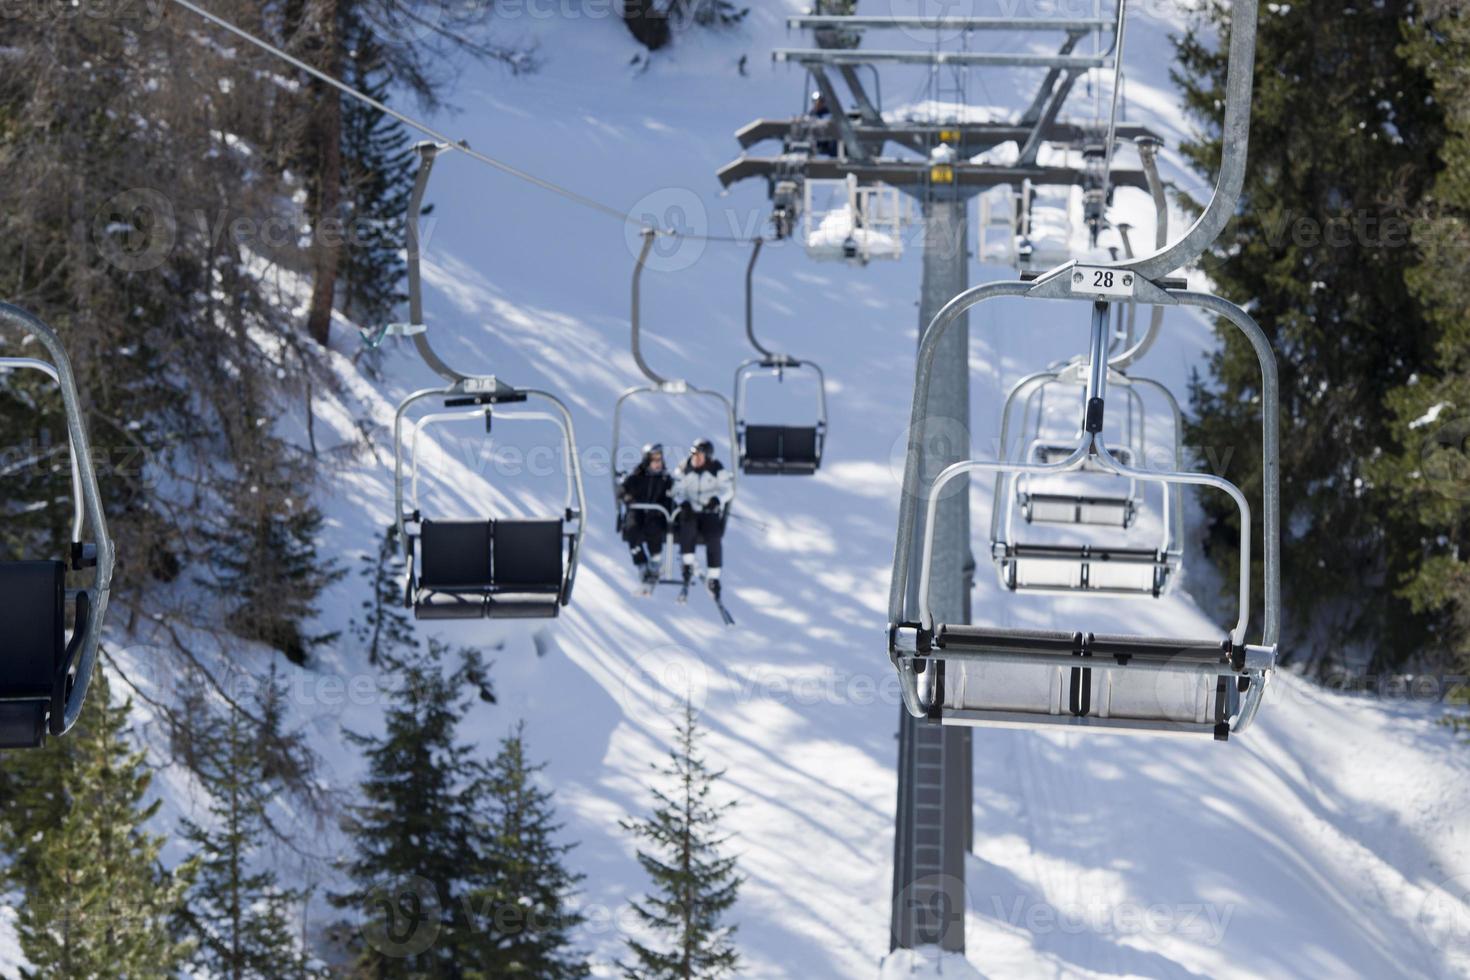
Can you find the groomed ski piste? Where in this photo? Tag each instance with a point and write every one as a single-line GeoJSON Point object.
{"type": "Point", "coordinates": [1330, 840]}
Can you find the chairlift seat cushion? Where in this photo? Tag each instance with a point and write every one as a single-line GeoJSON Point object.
{"type": "Point", "coordinates": [33, 627]}
{"type": "Point", "coordinates": [1086, 569]}
{"type": "Point", "coordinates": [522, 606]}
{"type": "Point", "coordinates": [455, 555]}
{"type": "Point", "coordinates": [528, 555]}
{"type": "Point", "coordinates": [1150, 700]}
{"type": "Point", "coordinates": [781, 449]}
{"type": "Point", "coordinates": [449, 605]}
{"type": "Point", "coordinates": [1056, 508]}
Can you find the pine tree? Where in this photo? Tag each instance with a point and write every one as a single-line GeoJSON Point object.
{"type": "Point", "coordinates": [266, 563]}
{"type": "Point", "coordinates": [241, 915]}
{"type": "Point", "coordinates": [95, 901]}
{"type": "Point", "coordinates": [694, 885]}
{"type": "Point", "coordinates": [1429, 474]}
{"type": "Point", "coordinates": [1343, 139]}
{"type": "Point", "coordinates": [524, 921]}
{"type": "Point", "coordinates": [378, 175]}
{"type": "Point", "coordinates": [418, 838]}
{"type": "Point", "coordinates": [385, 629]}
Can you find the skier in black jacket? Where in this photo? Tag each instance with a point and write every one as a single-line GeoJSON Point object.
{"type": "Point", "coordinates": [645, 530]}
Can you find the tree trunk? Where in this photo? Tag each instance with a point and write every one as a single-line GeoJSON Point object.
{"type": "Point", "coordinates": [327, 134]}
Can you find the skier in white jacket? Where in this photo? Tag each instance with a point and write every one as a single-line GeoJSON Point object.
{"type": "Point", "coordinates": [703, 489]}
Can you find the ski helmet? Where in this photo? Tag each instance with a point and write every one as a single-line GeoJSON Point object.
{"type": "Point", "coordinates": [702, 446]}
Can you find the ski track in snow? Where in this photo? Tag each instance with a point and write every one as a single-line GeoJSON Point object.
{"type": "Point", "coordinates": [1314, 842]}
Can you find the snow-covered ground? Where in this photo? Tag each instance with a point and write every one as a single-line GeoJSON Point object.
{"type": "Point", "coordinates": [1329, 841]}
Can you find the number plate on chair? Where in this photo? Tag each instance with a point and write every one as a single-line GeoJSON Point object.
{"type": "Point", "coordinates": [1091, 280]}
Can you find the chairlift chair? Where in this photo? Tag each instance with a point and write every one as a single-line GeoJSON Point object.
{"type": "Point", "coordinates": [870, 218]}
{"type": "Point", "coordinates": [498, 567]}
{"type": "Point", "coordinates": [486, 565]}
{"type": "Point", "coordinates": [961, 673]}
{"type": "Point", "coordinates": [1116, 570]}
{"type": "Point", "coordinates": [46, 669]}
{"type": "Point", "coordinates": [1149, 572]}
{"type": "Point", "coordinates": [955, 672]}
{"type": "Point", "coordinates": [772, 450]}
{"type": "Point", "coordinates": [660, 387]}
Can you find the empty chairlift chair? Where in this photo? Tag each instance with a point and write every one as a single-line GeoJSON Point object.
{"type": "Point", "coordinates": [961, 673]}
{"type": "Point", "coordinates": [498, 567]}
{"type": "Point", "coordinates": [484, 566]}
{"type": "Point", "coordinates": [766, 449]}
{"type": "Point", "coordinates": [1111, 569]}
{"type": "Point", "coordinates": [48, 656]}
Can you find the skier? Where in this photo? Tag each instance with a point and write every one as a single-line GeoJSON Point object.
{"type": "Point", "coordinates": [645, 530]}
{"type": "Point", "coordinates": [703, 489]}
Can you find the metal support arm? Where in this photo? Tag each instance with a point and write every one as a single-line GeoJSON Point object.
{"type": "Point", "coordinates": [71, 685]}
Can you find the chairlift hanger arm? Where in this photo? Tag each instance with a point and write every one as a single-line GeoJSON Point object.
{"type": "Point", "coordinates": [1235, 139]}
{"type": "Point", "coordinates": [755, 253]}
{"type": "Point", "coordinates": [1148, 149]}
{"type": "Point", "coordinates": [868, 112]}
{"type": "Point", "coordinates": [1049, 82]}
{"type": "Point", "coordinates": [82, 651]}
{"type": "Point", "coordinates": [428, 151]}
{"type": "Point", "coordinates": [637, 311]}
{"type": "Point", "coordinates": [769, 358]}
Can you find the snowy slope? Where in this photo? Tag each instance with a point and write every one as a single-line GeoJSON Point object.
{"type": "Point", "coordinates": [1326, 842]}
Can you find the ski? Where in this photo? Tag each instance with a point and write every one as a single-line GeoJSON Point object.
{"type": "Point", "coordinates": [683, 594]}
{"type": "Point", "coordinates": [724, 613]}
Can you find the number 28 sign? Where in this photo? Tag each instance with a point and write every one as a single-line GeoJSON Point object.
{"type": "Point", "coordinates": [1091, 280]}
